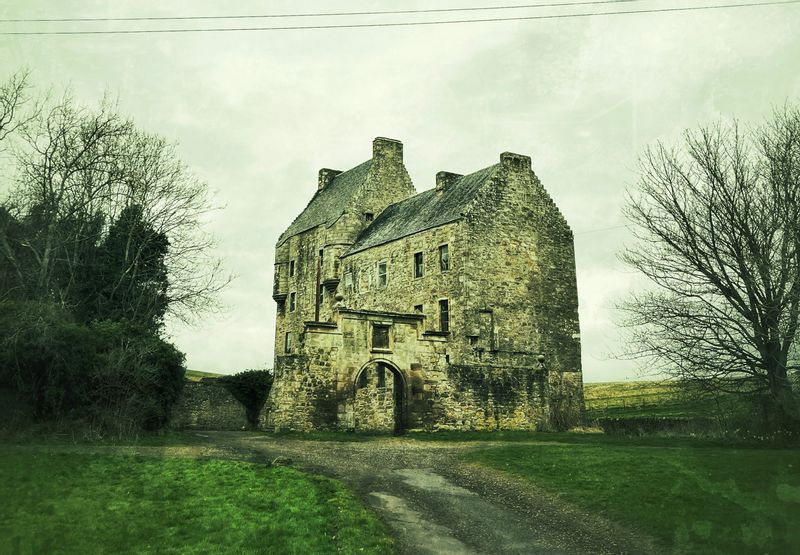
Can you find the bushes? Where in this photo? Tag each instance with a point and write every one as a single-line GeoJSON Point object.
{"type": "Point", "coordinates": [109, 373]}
{"type": "Point", "coordinates": [250, 388]}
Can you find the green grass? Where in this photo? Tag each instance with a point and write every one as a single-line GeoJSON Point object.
{"type": "Point", "coordinates": [689, 496]}
{"type": "Point", "coordinates": [197, 375]}
{"type": "Point", "coordinates": [76, 503]}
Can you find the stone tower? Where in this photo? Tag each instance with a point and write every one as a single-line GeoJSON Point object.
{"type": "Point", "coordinates": [454, 308]}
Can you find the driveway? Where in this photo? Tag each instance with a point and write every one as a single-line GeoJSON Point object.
{"type": "Point", "coordinates": [436, 504]}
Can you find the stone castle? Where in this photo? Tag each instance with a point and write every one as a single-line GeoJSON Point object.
{"type": "Point", "coordinates": [454, 308]}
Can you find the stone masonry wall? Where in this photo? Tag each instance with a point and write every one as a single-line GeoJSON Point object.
{"type": "Point", "coordinates": [207, 405]}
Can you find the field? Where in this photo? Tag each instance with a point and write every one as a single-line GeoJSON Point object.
{"type": "Point", "coordinates": [691, 496]}
{"type": "Point", "coordinates": [653, 399]}
{"type": "Point", "coordinates": [80, 503]}
{"type": "Point", "coordinates": [197, 375]}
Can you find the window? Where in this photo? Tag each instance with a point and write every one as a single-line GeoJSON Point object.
{"type": "Point", "coordinates": [418, 308]}
{"type": "Point", "coordinates": [348, 279]}
{"type": "Point", "coordinates": [417, 264]}
{"type": "Point", "coordinates": [291, 268]}
{"type": "Point", "coordinates": [381, 375]}
{"type": "Point", "coordinates": [369, 216]}
{"type": "Point", "coordinates": [444, 258]}
{"type": "Point", "coordinates": [444, 315]}
{"type": "Point", "coordinates": [380, 337]}
{"type": "Point", "coordinates": [321, 256]}
{"type": "Point", "coordinates": [287, 344]}
{"type": "Point", "coordinates": [292, 301]}
{"type": "Point", "coordinates": [382, 277]}
{"type": "Point", "coordinates": [321, 294]}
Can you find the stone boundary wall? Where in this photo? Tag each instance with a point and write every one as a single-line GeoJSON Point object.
{"type": "Point", "coordinates": [207, 405]}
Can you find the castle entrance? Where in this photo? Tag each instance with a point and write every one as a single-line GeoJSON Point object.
{"type": "Point", "coordinates": [380, 399]}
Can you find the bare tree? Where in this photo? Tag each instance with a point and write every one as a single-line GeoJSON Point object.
{"type": "Point", "coordinates": [718, 228]}
{"type": "Point", "coordinates": [79, 170]}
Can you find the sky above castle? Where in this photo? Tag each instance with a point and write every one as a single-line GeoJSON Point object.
{"type": "Point", "coordinates": [257, 113]}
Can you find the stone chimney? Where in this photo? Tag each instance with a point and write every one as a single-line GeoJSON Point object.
{"type": "Point", "coordinates": [515, 162]}
{"type": "Point", "coordinates": [326, 175]}
{"type": "Point", "coordinates": [445, 179]}
{"type": "Point", "coordinates": [387, 149]}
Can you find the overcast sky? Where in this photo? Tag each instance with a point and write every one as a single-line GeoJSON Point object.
{"type": "Point", "coordinates": [257, 113]}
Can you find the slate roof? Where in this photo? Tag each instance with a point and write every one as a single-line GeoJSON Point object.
{"type": "Point", "coordinates": [327, 205]}
{"type": "Point", "coordinates": [425, 210]}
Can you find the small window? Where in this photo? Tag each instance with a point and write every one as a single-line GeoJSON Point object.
{"type": "Point", "coordinates": [287, 344]}
{"type": "Point", "coordinates": [321, 256]}
{"type": "Point", "coordinates": [418, 265]}
{"type": "Point", "coordinates": [369, 216]}
{"type": "Point", "coordinates": [380, 337]}
{"type": "Point", "coordinates": [321, 294]}
{"type": "Point", "coordinates": [348, 279]}
{"type": "Point", "coordinates": [291, 268]}
{"type": "Point", "coordinates": [418, 308]}
{"type": "Point", "coordinates": [382, 277]}
{"type": "Point", "coordinates": [444, 315]}
{"type": "Point", "coordinates": [292, 301]}
{"type": "Point", "coordinates": [381, 375]}
{"type": "Point", "coordinates": [444, 258]}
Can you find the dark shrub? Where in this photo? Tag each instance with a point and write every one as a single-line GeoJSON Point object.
{"type": "Point", "coordinates": [250, 388]}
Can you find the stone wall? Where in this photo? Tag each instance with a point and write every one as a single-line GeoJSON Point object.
{"type": "Point", "coordinates": [207, 405]}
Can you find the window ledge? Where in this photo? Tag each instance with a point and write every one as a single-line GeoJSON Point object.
{"type": "Point", "coordinates": [436, 333]}
{"type": "Point", "coordinates": [385, 351]}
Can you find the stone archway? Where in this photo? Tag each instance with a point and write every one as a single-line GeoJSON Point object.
{"type": "Point", "coordinates": [380, 399]}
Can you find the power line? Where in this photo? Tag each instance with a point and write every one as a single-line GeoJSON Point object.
{"type": "Point", "coordinates": [321, 14]}
{"type": "Point", "coordinates": [401, 24]}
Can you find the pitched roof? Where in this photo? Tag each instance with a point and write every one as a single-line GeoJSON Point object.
{"type": "Point", "coordinates": [327, 205]}
{"type": "Point", "coordinates": [425, 210]}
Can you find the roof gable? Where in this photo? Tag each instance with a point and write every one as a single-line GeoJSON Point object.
{"type": "Point", "coordinates": [423, 211]}
{"type": "Point", "coordinates": [328, 204]}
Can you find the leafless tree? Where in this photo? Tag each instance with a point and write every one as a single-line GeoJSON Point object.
{"type": "Point", "coordinates": [718, 229]}
{"type": "Point", "coordinates": [77, 170]}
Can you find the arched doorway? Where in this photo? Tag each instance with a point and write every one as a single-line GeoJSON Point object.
{"type": "Point", "coordinates": [380, 399]}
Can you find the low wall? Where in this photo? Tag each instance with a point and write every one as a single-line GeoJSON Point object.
{"type": "Point", "coordinates": [207, 405]}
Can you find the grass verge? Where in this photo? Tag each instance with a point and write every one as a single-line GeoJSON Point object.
{"type": "Point", "coordinates": [690, 498]}
{"type": "Point", "coordinates": [76, 503]}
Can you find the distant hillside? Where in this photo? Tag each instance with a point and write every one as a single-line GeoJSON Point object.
{"type": "Point", "coordinates": [196, 375]}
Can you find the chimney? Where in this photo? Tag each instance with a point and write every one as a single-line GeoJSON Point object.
{"type": "Point", "coordinates": [387, 149]}
{"type": "Point", "coordinates": [445, 179]}
{"type": "Point", "coordinates": [326, 175]}
{"type": "Point", "coordinates": [515, 162]}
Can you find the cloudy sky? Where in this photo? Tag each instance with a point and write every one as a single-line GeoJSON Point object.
{"type": "Point", "coordinates": [257, 113]}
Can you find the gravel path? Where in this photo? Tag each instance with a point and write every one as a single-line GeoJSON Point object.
{"type": "Point", "coordinates": [436, 504]}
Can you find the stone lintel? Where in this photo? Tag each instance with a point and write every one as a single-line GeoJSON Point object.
{"type": "Point", "coordinates": [325, 325]}
{"type": "Point", "coordinates": [382, 314]}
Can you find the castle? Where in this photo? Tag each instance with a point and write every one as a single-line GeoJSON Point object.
{"type": "Point", "coordinates": [454, 308]}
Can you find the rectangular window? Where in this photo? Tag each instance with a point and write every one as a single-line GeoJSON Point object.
{"type": "Point", "coordinates": [383, 279]}
{"type": "Point", "coordinates": [380, 337]}
{"type": "Point", "coordinates": [321, 256]}
{"type": "Point", "coordinates": [444, 258]}
{"type": "Point", "coordinates": [321, 294]}
{"type": "Point", "coordinates": [381, 375]}
{"type": "Point", "coordinates": [287, 345]}
{"type": "Point", "coordinates": [418, 264]}
{"type": "Point", "coordinates": [292, 301]}
{"type": "Point", "coordinates": [369, 216]}
{"type": "Point", "coordinates": [348, 279]}
{"type": "Point", "coordinates": [444, 315]}
{"type": "Point", "coordinates": [291, 268]}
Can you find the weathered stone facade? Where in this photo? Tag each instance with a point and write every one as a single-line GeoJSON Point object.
{"type": "Point", "coordinates": [455, 308]}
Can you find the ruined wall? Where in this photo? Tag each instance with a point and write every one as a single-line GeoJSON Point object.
{"type": "Point", "coordinates": [207, 405]}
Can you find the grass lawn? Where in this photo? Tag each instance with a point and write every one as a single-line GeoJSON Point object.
{"type": "Point", "coordinates": [76, 503]}
{"type": "Point", "coordinates": [691, 498]}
